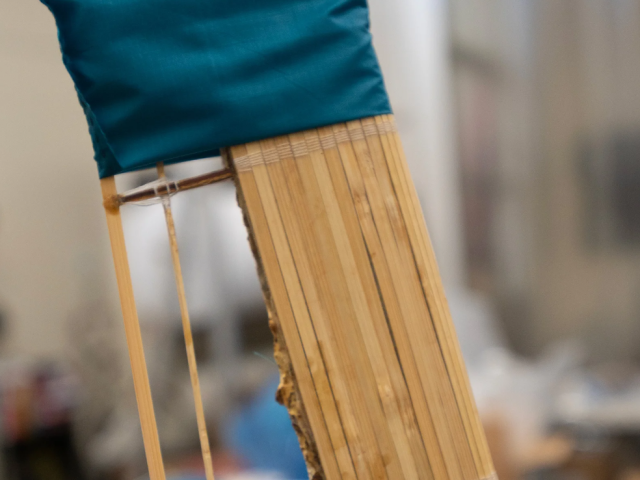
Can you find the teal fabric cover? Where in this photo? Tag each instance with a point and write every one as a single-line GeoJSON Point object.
{"type": "Point", "coordinates": [173, 80]}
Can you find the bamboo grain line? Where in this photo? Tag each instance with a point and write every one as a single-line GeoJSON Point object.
{"type": "Point", "coordinates": [296, 326]}
{"type": "Point", "coordinates": [361, 178]}
{"type": "Point", "coordinates": [274, 186]}
{"type": "Point", "coordinates": [435, 292]}
{"type": "Point", "coordinates": [332, 285]}
{"type": "Point", "coordinates": [324, 312]}
{"type": "Point", "coordinates": [404, 249]}
{"type": "Point", "coordinates": [361, 220]}
{"type": "Point", "coordinates": [371, 320]}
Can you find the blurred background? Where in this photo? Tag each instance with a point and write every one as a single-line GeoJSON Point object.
{"type": "Point", "coordinates": [521, 121]}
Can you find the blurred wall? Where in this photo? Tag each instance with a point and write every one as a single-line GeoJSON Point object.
{"type": "Point", "coordinates": [548, 120]}
{"type": "Point", "coordinates": [494, 80]}
{"type": "Point", "coordinates": [53, 241]}
{"type": "Point", "coordinates": [413, 43]}
{"type": "Point", "coordinates": [589, 75]}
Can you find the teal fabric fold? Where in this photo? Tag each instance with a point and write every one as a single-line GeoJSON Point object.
{"type": "Point", "coordinates": [174, 80]}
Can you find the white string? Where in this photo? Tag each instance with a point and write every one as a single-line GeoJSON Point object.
{"type": "Point", "coordinates": [159, 198]}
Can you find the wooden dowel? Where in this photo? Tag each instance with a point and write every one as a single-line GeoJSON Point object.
{"type": "Point", "coordinates": [188, 336]}
{"type": "Point", "coordinates": [133, 335]}
{"type": "Point", "coordinates": [190, 183]}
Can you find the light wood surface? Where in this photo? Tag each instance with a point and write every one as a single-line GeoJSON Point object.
{"type": "Point", "coordinates": [354, 289]}
{"type": "Point", "coordinates": [134, 338]}
{"type": "Point", "coordinates": [188, 336]}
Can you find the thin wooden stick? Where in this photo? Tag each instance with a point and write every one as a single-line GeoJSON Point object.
{"type": "Point", "coordinates": [134, 337]}
{"type": "Point", "coordinates": [188, 336]}
{"type": "Point", "coordinates": [168, 188]}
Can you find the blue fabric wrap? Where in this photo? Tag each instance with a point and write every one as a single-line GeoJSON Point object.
{"type": "Point", "coordinates": [174, 80]}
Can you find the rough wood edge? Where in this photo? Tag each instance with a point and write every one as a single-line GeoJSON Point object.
{"type": "Point", "coordinates": [288, 394]}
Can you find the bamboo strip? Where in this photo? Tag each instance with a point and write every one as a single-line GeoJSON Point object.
{"type": "Point", "coordinates": [133, 335]}
{"type": "Point", "coordinates": [370, 255]}
{"type": "Point", "coordinates": [361, 178]}
{"type": "Point", "coordinates": [334, 295]}
{"type": "Point", "coordinates": [370, 316]}
{"type": "Point", "coordinates": [188, 336]}
{"type": "Point", "coordinates": [292, 313]}
{"type": "Point", "coordinates": [434, 291]}
{"type": "Point", "coordinates": [422, 262]}
{"type": "Point", "coordinates": [363, 221]}
{"type": "Point", "coordinates": [288, 391]}
{"type": "Point", "coordinates": [353, 268]}
{"type": "Point", "coordinates": [274, 185]}
{"type": "Point", "coordinates": [397, 225]}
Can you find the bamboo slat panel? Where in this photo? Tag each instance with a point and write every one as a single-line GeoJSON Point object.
{"type": "Point", "coordinates": [372, 371]}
